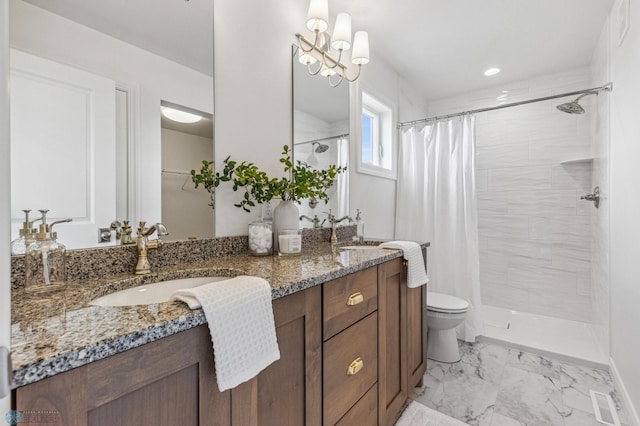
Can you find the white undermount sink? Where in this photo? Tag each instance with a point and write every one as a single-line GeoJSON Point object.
{"type": "Point", "coordinates": [151, 293]}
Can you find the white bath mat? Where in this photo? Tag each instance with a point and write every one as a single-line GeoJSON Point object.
{"type": "Point", "coordinates": [417, 414]}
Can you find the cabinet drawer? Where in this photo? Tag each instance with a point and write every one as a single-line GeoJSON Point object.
{"type": "Point", "coordinates": [349, 299]}
{"type": "Point", "coordinates": [365, 412]}
{"type": "Point", "coordinates": [355, 348]}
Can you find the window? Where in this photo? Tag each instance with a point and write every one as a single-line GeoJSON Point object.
{"type": "Point", "coordinates": [376, 148]}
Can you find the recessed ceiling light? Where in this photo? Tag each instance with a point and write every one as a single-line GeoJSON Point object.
{"type": "Point", "coordinates": [180, 116]}
{"type": "Point", "coordinates": [491, 71]}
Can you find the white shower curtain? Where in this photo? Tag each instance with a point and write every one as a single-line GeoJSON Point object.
{"type": "Point", "coordinates": [342, 180]}
{"type": "Point", "coordinates": [436, 202]}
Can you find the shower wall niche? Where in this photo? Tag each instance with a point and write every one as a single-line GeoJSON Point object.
{"type": "Point", "coordinates": [533, 163]}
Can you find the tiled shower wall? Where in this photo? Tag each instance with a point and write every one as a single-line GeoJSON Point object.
{"type": "Point", "coordinates": [535, 234]}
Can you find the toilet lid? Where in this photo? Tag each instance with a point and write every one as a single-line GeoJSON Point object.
{"type": "Point", "coordinates": [445, 302]}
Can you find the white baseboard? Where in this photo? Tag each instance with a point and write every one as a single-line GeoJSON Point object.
{"type": "Point", "coordinates": [630, 410]}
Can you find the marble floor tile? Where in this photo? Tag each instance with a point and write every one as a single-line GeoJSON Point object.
{"type": "Point", "coordinates": [482, 360]}
{"type": "Point", "coordinates": [497, 386]}
{"type": "Point", "coordinates": [534, 363]}
{"type": "Point", "coordinates": [499, 420]}
{"type": "Point", "coordinates": [467, 398]}
{"type": "Point", "coordinates": [580, 418]}
{"type": "Point", "coordinates": [576, 381]}
{"type": "Point", "coordinates": [530, 398]}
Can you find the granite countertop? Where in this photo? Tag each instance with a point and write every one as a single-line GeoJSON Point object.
{"type": "Point", "coordinates": [59, 331]}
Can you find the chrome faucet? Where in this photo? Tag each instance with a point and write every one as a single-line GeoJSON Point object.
{"type": "Point", "coordinates": [144, 245]}
{"type": "Point", "coordinates": [315, 220]}
{"type": "Point", "coordinates": [333, 221]}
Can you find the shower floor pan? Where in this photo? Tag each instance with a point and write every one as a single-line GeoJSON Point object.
{"type": "Point", "coordinates": [557, 338]}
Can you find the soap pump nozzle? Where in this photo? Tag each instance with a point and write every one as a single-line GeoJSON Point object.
{"type": "Point", "coordinates": [46, 229]}
{"type": "Point", "coordinates": [26, 235]}
{"type": "Point", "coordinates": [27, 226]}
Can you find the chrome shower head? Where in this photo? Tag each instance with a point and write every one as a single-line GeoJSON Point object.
{"type": "Point", "coordinates": [574, 107]}
{"type": "Point", "coordinates": [320, 148]}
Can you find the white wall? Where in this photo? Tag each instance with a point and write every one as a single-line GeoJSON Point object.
{"type": "Point", "coordinates": [625, 204]}
{"type": "Point", "coordinates": [253, 92]}
{"type": "Point", "coordinates": [534, 232]}
{"type": "Point", "coordinates": [376, 196]}
{"type": "Point", "coordinates": [152, 78]}
{"type": "Point", "coordinates": [5, 191]}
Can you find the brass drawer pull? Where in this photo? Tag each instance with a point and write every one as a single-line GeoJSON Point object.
{"type": "Point", "coordinates": [355, 366]}
{"type": "Point", "coordinates": [355, 298]}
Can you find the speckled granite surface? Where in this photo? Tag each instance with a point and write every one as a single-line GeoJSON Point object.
{"type": "Point", "coordinates": [59, 331]}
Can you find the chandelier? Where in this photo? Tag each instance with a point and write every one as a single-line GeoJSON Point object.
{"type": "Point", "coordinates": [324, 48]}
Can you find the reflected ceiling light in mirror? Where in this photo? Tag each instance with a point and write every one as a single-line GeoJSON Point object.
{"type": "Point", "coordinates": [180, 116]}
{"type": "Point", "coordinates": [491, 71]}
{"type": "Point", "coordinates": [320, 50]}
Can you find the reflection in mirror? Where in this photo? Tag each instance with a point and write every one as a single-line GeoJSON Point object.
{"type": "Point", "coordinates": [186, 142]}
{"type": "Point", "coordinates": [321, 136]}
{"type": "Point", "coordinates": [87, 79]}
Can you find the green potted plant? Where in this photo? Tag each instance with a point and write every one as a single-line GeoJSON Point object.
{"type": "Point", "coordinates": [304, 182]}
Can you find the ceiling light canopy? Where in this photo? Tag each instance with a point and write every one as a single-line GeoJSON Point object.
{"type": "Point", "coordinates": [491, 71]}
{"type": "Point", "coordinates": [180, 116]}
{"type": "Point", "coordinates": [340, 41]}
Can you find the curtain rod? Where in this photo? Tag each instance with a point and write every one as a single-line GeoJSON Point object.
{"type": "Point", "coordinates": [324, 139]}
{"type": "Point", "coordinates": [607, 87]}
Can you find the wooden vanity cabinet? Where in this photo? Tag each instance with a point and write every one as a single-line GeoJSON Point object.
{"type": "Point", "coordinates": [368, 322]}
{"type": "Point", "coordinates": [167, 382]}
{"type": "Point", "coordinates": [289, 391]}
{"type": "Point", "coordinates": [401, 339]}
{"type": "Point", "coordinates": [172, 381]}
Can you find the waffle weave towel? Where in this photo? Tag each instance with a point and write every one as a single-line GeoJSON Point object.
{"type": "Point", "coordinates": [240, 317]}
{"type": "Point", "coordinates": [412, 253]}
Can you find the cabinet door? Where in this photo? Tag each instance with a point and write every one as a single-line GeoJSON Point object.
{"type": "Point", "coordinates": [416, 335]}
{"type": "Point", "coordinates": [289, 391]}
{"type": "Point", "coordinates": [167, 382]}
{"type": "Point", "coordinates": [416, 331]}
{"type": "Point", "coordinates": [392, 341]}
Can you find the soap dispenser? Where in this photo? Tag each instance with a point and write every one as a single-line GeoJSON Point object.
{"type": "Point", "coordinates": [27, 236]}
{"type": "Point", "coordinates": [45, 259]}
{"type": "Point", "coordinates": [359, 226]}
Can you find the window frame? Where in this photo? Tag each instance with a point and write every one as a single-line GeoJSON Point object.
{"type": "Point", "coordinates": [383, 138]}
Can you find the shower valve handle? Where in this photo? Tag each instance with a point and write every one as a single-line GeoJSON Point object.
{"type": "Point", "coordinates": [595, 197]}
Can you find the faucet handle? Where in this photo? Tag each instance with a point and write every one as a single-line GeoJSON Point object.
{"type": "Point", "coordinates": [161, 230]}
{"type": "Point", "coordinates": [142, 227]}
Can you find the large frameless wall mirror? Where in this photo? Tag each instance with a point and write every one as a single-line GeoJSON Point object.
{"type": "Point", "coordinates": [87, 83]}
{"type": "Point", "coordinates": [321, 136]}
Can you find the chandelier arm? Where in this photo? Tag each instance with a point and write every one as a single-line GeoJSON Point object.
{"type": "Point", "coordinates": [316, 72]}
{"type": "Point", "coordinates": [357, 75]}
{"type": "Point", "coordinates": [313, 46]}
{"type": "Point", "coordinates": [338, 83]}
{"type": "Point", "coordinates": [335, 62]}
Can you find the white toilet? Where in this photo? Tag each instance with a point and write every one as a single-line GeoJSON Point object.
{"type": "Point", "coordinates": [444, 313]}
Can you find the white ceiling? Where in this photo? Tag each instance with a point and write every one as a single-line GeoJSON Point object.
{"type": "Point", "coordinates": [179, 30]}
{"type": "Point", "coordinates": [441, 47]}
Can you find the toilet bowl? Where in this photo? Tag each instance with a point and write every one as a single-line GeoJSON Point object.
{"type": "Point", "coordinates": [444, 313]}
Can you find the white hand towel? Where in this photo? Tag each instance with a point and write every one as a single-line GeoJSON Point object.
{"type": "Point", "coordinates": [412, 253]}
{"type": "Point", "coordinates": [243, 332]}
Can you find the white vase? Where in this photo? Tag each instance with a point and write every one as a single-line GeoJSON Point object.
{"type": "Point", "coordinates": [286, 215]}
